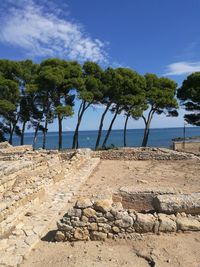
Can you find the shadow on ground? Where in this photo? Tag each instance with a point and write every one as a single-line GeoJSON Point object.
{"type": "Point", "coordinates": [49, 237]}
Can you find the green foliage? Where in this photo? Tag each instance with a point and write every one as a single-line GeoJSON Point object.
{"type": "Point", "coordinates": [189, 94]}
{"type": "Point", "coordinates": [64, 111]}
{"type": "Point", "coordinates": [160, 93]}
{"type": "Point", "coordinates": [36, 94]}
{"type": "Point", "coordinates": [6, 106]}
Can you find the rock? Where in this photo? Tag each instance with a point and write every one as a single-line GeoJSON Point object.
{"type": "Point", "coordinates": [188, 224]}
{"type": "Point", "coordinates": [84, 219]}
{"type": "Point", "coordinates": [140, 181]}
{"type": "Point", "coordinates": [172, 203]}
{"type": "Point", "coordinates": [93, 226]}
{"type": "Point", "coordinates": [104, 205]}
{"type": "Point", "coordinates": [125, 222]}
{"type": "Point", "coordinates": [144, 223]}
{"type": "Point", "coordinates": [74, 212]}
{"type": "Point", "coordinates": [109, 216]}
{"type": "Point", "coordinates": [116, 229]}
{"type": "Point", "coordinates": [98, 236]}
{"type": "Point", "coordinates": [83, 203]}
{"type": "Point", "coordinates": [59, 236]}
{"type": "Point", "coordinates": [81, 234]}
{"type": "Point", "coordinates": [89, 212]}
{"type": "Point", "coordinates": [64, 227]}
{"type": "Point", "coordinates": [167, 223]}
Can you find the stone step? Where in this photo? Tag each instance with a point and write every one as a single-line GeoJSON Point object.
{"type": "Point", "coordinates": [31, 228]}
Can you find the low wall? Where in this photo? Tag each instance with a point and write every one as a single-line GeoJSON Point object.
{"type": "Point", "coordinates": [25, 176]}
{"type": "Point", "coordinates": [141, 153]}
{"type": "Point", "coordinates": [193, 147]}
{"type": "Point", "coordinates": [102, 219]}
{"type": "Point", "coordinates": [160, 200]}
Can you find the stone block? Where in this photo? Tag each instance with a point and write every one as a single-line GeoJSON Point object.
{"type": "Point", "coordinates": [167, 223]}
{"type": "Point", "coordinates": [98, 236]}
{"type": "Point", "coordinates": [172, 203]}
{"type": "Point", "coordinates": [188, 224]}
{"type": "Point", "coordinates": [103, 205]}
{"type": "Point", "coordinates": [144, 223]}
{"type": "Point", "coordinates": [81, 234]}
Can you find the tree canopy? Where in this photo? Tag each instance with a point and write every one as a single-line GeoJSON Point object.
{"type": "Point", "coordinates": [34, 95]}
{"type": "Point", "coordinates": [189, 94]}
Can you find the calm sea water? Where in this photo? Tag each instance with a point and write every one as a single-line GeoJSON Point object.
{"type": "Point", "coordinates": [157, 138]}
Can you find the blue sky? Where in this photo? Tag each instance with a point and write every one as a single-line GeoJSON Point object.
{"type": "Point", "coordinates": [161, 37]}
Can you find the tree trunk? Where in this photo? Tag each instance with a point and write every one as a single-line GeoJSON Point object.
{"type": "Point", "coordinates": [22, 134]}
{"type": "Point", "coordinates": [35, 135]}
{"type": "Point", "coordinates": [59, 133]}
{"type": "Point", "coordinates": [11, 133]}
{"type": "Point", "coordinates": [110, 129]}
{"type": "Point", "coordinates": [125, 128]}
{"type": "Point", "coordinates": [147, 127]}
{"type": "Point", "coordinates": [81, 111]}
{"type": "Point", "coordinates": [101, 126]}
{"type": "Point", "coordinates": [146, 135]}
{"type": "Point", "coordinates": [45, 134]}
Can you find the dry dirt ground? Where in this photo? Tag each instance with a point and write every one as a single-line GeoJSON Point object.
{"type": "Point", "coordinates": [171, 250]}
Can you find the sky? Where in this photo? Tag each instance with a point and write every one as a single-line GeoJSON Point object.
{"type": "Point", "coordinates": [157, 36]}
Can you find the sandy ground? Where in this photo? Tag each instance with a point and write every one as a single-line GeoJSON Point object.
{"type": "Point", "coordinates": [171, 250]}
{"type": "Point", "coordinates": [111, 175]}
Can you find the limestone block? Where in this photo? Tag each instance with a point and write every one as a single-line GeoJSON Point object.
{"type": "Point", "coordinates": [83, 203]}
{"type": "Point", "coordinates": [178, 203]}
{"type": "Point", "coordinates": [144, 223]}
{"type": "Point", "coordinates": [167, 223]}
{"type": "Point", "coordinates": [188, 224]}
{"type": "Point", "coordinates": [81, 234]}
{"type": "Point", "coordinates": [103, 205]}
{"type": "Point", "coordinates": [89, 212]}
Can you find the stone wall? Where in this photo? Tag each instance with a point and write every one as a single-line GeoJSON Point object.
{"type": "Point", "coordinates": [160, 200]}
{"type": "Point", "coordinates": [187, 146]}
{"type": "Point", "coordinates": [25, 176]}
{"type": "Point", "coordinates": [102, 219]}
{"type": "Point", "coordinates": [141, 153]}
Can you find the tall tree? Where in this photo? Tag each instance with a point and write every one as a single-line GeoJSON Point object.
{"type": "Point", "coordinates": [60, 77]}
{"type": "Point", "coordinates": [90, 92]}
{"type": "Point", "coordinates": [160, 98]}
{"type": "Point", "coordinates": [189, 94]}
{"type": "Point", "coordinates": [127, 91]}
{"type": "Point", "coordinates": [28, 93]}
{"type": "Point", "coordinates": [9, 97]}
{"type": "Point", "coordinates": [133, 111]}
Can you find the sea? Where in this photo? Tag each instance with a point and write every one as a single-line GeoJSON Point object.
{"type": "Point", "coordinates": [157, 138]}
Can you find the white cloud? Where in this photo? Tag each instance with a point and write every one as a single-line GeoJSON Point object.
{"type": "Point", "coordinates": [41, 32]}
{"type": "Point", "coordinates": [182, 68]}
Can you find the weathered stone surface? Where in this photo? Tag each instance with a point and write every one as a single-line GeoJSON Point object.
{"type": "Point", "coordinates": [93, 226]}
{"type": "Point", "coordinates": [144, 223]}
{"type": "Point", "coordinates": [167, 223]}
{"type": "Point", "coordinates": [178, 203]}
{"type": "Point", "coordinates": [103, 205]}
{"type": "Point", "coordinates": [125, 222]}
{"type": "Point", "coordinates": [89, 212]}
{"type": "Point", "coordinates": [59, 236]}
{"type": "Point", "coordinates": [115, 229]}
{"type": "Point", "coordinates": [81, 234]}
{"type": "Point", "coordinates": [141, 153]}
{"type": "Point", "coordinates": [188, 224]}
{"type": "Point", "coordinates": [83, 203]}
{"type": "Point", "coordinates": [98, 236]}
